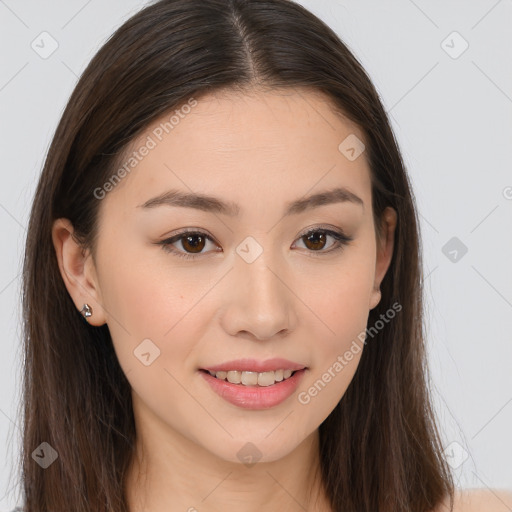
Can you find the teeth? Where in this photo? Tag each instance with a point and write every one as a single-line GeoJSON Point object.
{"type": "Point", "coordinates": [249, 378]}
{"type": "Point", "coordinates": [253, 378]}
{"type": "Point", "coordinates": [234, 377]}
{"type": "Point", "coordinates": [266, 378]}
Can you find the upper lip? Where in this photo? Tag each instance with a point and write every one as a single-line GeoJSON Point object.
{"type": "Point", "coordinates": [253, 365]}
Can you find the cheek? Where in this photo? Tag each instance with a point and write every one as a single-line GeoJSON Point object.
{"type": "Point", "coordinates": [156, 323]}
{"type": "Point", "coordinates": [148, 299]}
{"type": "Point", "coordinates": [340, 308]}
{"type": "Point", "coordinates": [338, 348]}
{"type": "Point", "coordinates": [338, 294]}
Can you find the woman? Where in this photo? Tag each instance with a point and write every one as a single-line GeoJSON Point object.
{"type": "Point", "coordinates": [222, 282]}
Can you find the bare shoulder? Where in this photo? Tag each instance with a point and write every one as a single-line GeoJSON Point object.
{"type": "Point", "coordinates": [479, 500]}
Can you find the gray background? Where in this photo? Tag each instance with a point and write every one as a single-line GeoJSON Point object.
{"type": "Point", "coordinates": [451, 113]}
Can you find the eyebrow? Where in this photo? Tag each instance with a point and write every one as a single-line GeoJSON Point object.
{"type": "Point", "coordinates": [214, 204]}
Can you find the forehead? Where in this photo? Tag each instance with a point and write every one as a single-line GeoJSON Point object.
{"type": "Point", "coordinates": [264, 144]}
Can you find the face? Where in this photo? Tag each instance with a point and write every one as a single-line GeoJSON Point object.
{"type": "Point", "coordinates": [264, 274]}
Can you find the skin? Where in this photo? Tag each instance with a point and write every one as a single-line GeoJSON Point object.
{"type": "Point", "coordinates": [479, 500]}
{"type": "Point", "coordinates": [261, 151]}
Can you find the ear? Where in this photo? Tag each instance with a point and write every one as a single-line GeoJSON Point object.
{"type": "Point", "coordinates": [385, 245]}
{"type": "Point", "coordinates": [78, 271]}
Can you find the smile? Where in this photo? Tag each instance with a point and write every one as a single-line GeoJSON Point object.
{"type": "Point", "coordinates": [252, 395]}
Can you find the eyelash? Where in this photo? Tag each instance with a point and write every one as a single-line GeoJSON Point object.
{"type": "Point", "coordinates": [341, 240]}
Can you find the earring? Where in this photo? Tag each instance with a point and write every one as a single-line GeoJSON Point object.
{"type": "Point", "coordinates": [86, 311]}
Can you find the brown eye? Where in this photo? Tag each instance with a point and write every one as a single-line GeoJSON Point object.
{"type": "Point", "coordinates": [188, 244]}
{"type": "Point", "coordinates": [193, 243]}
{"type": "Point", "coordinates": [315, 240]}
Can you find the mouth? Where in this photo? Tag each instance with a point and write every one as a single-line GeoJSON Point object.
{"type": "Point", "coordinates": [254, 390]}
{"type": "Point", "coordinates": [254, 379]}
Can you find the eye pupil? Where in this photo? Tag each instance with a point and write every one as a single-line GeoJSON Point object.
{"type": "Point", "coordinates": [193, 247]}
{"type": "Point", "coordinates": [313, 237]}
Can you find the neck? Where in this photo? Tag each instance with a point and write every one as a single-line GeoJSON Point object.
{"type": "Point", "coordinates": [173, 474]}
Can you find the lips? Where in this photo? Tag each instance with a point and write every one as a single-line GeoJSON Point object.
{"type": "Point", "coordinates": [254, 397]}
{"type": "Point", "coordinates": [270, 391]}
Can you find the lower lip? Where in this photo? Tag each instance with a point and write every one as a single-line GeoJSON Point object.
{"type": "Point", "coordinates": [254, 397]}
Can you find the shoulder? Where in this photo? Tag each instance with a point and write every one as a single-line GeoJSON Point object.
{"type": "Point", "coordinates": [478, 500]}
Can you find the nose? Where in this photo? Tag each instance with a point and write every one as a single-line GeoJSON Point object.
{"type": "Point", "coordinates": [259, 302]}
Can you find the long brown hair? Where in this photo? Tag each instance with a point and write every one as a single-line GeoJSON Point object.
{"type": "Point", "coordinates": [380, 448]}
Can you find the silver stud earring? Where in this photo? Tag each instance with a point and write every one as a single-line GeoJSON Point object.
{"type": "Point", "coordinates": [86, 311]}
